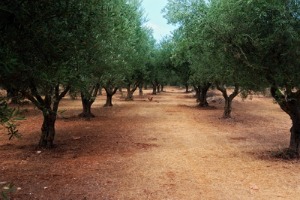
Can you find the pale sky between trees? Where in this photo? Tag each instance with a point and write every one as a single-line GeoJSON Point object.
{"type": "Point", "coordinates": [153, 12]}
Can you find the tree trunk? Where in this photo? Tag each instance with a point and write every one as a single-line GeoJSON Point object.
{"type": "Point", "coordinates": [108, 100]}
{"type": "Point", "coordinates": [158, 88]}
{"type": "Point", "coordinates": [49, 106]}
{"type": "Point", "coordinates": [295, 134]}
{"type": "Point", "coordinates": [154, 88]}
{"type": "Point", "coordinates": [130, 91]}
{"type": "Point", "coordinates": [227, 108]}
{"type": "Point", "coordinates": [110, 91]}
{"type": "Point", "coordinates": [86, 108]}
{"type": "Point", "coordinates": [197, 95]}
{"type": "Point", "coordinates": [87, 100]}
{"type": "Point", "coordinates": [290, 103]}
{"type": "Point", "coordinates": [186, 88]}
{"type": "Point", "coordinates": [48, 130]}
{"type": "Point", "coordinates": [162, 88]}
{"type": "Point", "coordinates": [141, 90]}
{"type": "Point", "coordinates": [228, 99]}
{"type": "Point", "coordinates": [129, 94]}
{"type": "Point", "coordinates": [203, 95]}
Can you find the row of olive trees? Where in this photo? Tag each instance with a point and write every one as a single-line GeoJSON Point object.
{"type": "Point", "coordinates": [244, 44]}
{"type": "Point", "coordinates": [49, 47]}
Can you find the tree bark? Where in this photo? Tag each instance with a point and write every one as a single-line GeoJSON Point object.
{"type": "Point", "coordinates": [227, 108]}
{"type": "Point", "coordinates": [197, 95]}
{"type": "Point", "coordinates": [201, 94]}
{"type": "Point", "coordinates": [158, 88]}
{"type": "Point", "coordinates": [154, 88]}
{"type": "Point", "coordinates": [141, 90]}
{"type": "Point", "coordinates": [186, 88]}
{"type": "Point", "coordinates": [290, 103]}
{"type": "Point", "coordinates": [109, 94]}
{"type": "Point", "coordinates": [131, 91]}
{"type": "Point", "coordinates": [129, 96]}
{"type": "Point", "coordinates": [228, 99]}
{"type": "Point", "coordinates": [48, 129]}
{"type": "Point", "coordinates": [87, 100]}
{"type": "Point", "coordinates": [295, 134]}
{"type": "Point", "coordinates": [49, 106]}
{"type": "Point", "coordinates": [108, 100]}
{"type": "Point", "coordinates": [86, 108]}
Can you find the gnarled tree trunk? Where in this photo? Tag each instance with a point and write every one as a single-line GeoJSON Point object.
{"type": "Point", "coordinates": [290, 103]}
{"type": "Point", "coordinates": [228, 99]}
{"type": "Point", "coordinates": [49, 106]}
{"type": "Point", "coordinates": [86, 108]}
{"type": "Point", "coordinates": [131, 91]}
{"type": "Point", "coordinates": [158, 88]}
{"type": "Point", "coordinates": [201, 94]}
{"type": "Point", "coordinates": [186, 88]}
{"type": "Point", "coordinates": [87, 100]}
{"type": "Point", "coordinates": [295, 133]}
{"type": "Point", "coordinates": [48, 129]}
{"type": "Point", "coordinates": [108, 102]}
{"type": "Point", "coordinates": [109, 94]}
{"type": "Point", "coordinates": [140, 89]}
{"type": "Point", "coordinates": [197, 95]}
{"type": "Point", "coordinates": [154, 85]}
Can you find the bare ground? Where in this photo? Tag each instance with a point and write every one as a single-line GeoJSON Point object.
{"type": "Point", "coordinates": [164, 149]}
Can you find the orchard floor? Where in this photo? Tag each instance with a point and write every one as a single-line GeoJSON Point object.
{"type": "Point", "coordinates": [164, 149]}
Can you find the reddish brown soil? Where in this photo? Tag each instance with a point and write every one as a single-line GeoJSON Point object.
{"type": "Point", "coordinates": [163, 149]}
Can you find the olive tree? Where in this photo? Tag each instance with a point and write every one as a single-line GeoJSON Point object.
{"type": "Point", "coordinates": [204, 35]}
{"type": "Point", "coordinates": [41, 38]}
{"type": "Point", "coordinates": [267, 42]}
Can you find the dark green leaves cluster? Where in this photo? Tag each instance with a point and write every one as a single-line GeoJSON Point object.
{"type": "Point", "coordinates": [8, 118]}
{"type": "Point", "coordinates": [254, 43]}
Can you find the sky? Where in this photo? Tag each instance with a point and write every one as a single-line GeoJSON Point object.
{"type": "Point", "coordinates": [155, 18]}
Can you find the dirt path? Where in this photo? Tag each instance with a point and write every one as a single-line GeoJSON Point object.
{"type": "Point", "coordinates": [164, 149]}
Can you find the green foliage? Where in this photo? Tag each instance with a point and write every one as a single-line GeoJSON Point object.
{"type": "Point", "coordinates": [247, 42]}
{"type": "Point", "coordinates": [7, 190]}
{"type": "Point", "coordinates": [127, 45]}
{"type": "Point", "coordinates": [8, 118]}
